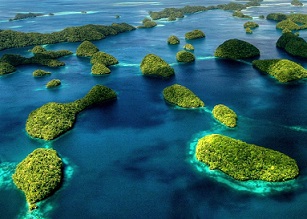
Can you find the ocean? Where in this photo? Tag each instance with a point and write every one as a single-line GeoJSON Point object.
{"type": "Point", "coordinates": [133, 157]}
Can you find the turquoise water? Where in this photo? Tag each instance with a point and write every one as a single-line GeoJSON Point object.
{"type": "Point", "coordinates": [132, 157]}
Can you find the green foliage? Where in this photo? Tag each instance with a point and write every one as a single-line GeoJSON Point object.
{"type": "Point", "coordinates": [225, 115]}
{"type": "Point", "coordinates": [53, 119]}
{"type": "Point", "coordinates": [86, 49]}
{"type": "Point", "coordinates": [195, 34]}
{"type": "Point", "coordinates": [241, 15]}
{"type": "Point", "coordinates": [236, 49]}
{"type": "Point", "coordinates": [148, 23]}
{"type": "Point", "coordinates": [276, 16]}
{"type": "Point", "coordinates": [40, 73]}
{"type": "Point", "coordinates": [39, 175]}
{"type": "Point", "coordinates": [20, 16]}
{"type": "Point", "coordinates": [53, 83]}
{"type": "Point", "coordinates": [289, 24]}
{"type": "Point", "coordinates": [15, 39]}
{"type": "Point", "coordinates": [173, 13]}
{"type": "Point", "coordinates": [248, 30]}
{"type": "Point", "coordinates": [296, 3]}
{"type": "Point", "coordinates": [100, 69]}
{"type": "Point", "coordinates": [244, 161]}
{"type": "Point", "coordinates": [173, 40]}
{"type": "Point", "coordinates": [103, 58]}
{"type": "Point", "coordinates": [189, 47]}
{"type": "Point", "coordinates": [6, 68]}
{"type": "Point", "coordinates": [251, 24]}
{"type": "Point", "coordinates": [282, 69]}
{"type": "Point", "coordinates": [185, 56]}
{"type": "Point", "coordinates": [182, 96]}
{"type": "Point", "coordinates": [153, 65]}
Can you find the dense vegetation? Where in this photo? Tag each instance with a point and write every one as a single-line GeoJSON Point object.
{"type": "Point", "coordinates": [282, 69]}
{"type": "Point", "coordinates": [296, 3]}
{"type": "Point", "coordinates": [244, 161]}
{"type": "Point", "coordinates": [100, 69]}
{"type": "Point", "coordinates": [148, 23]}
{"type": "Point", "coordinates": [290, 22]}
{"type": "Point", "coordinates": [189, 47]}
{"type": "Point", "coordinates": [250, 24]}
{"type": "Point", "coordinates": [182, 96]}
{"type": "Point", "coordinates": [53, 119]}
{"type": "Point", "coordinates": [40, 73]}
{"type": "Point", "coordinates": [153, 65]}
{"type": "Point", "coordinates": [20, 16]}
{"type": "Point", "coordinates": [173, 40]}
{"type": "Point", "coordinates": [293, 44]}
{"type": "Point", "coordinates": [14, 39]}
{"type": "Point", "coordinates": [41, 57]}
{"type": "Point", "coordinates": [241, 15]}
{"type": "Point", "coordinates": [236, 49]}
{"type": "Point", "coordinates": [195, 34]}
{"type": "Point", "coordinates": [185, 56]}
{"type": "Point", "coordinates": [173, 13]}
{"type": "Point", "coordinates": [53, 83]}
{"type": "Point", "coordinates": [103, 58]}
{"type": "Point", "coordinates": [86, 49]}
{"type": "Point", "coordinates": [225, 115]}
{"type": "Point", "coordinates": [39, 175]}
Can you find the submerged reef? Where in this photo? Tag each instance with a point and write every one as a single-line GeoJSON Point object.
{"type": "Point", "coordinates": [283, 70]}
{"type": "Point", "coordinates": [236, 49]}
{"type": "Point", "coordinates": [153, 65]}
{"type": "Point", "coordinates": [39, 175]}
{"type": "Point", "coordinates": [225, 115]}
{"type": "Point", "coordinates": [53, 119]}
{"type": "Point", "coordinates": [182, 96]}
{"type": "Point", "coordinates": [244, 161]}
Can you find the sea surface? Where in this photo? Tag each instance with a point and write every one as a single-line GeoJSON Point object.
{"type": "Point", "coordinates": [133, 157]}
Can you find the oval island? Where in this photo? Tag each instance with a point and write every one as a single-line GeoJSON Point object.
{"type": "Point", "coordinates": [244, 161]}
{"type": "Point", "coordinates": [40, 73]}
{"type": "Point", "coordinates": [283, 70]}
{"type": "Point", "coordinates": [182, 96]}
{"type": "Point", "coordinates": [53, 119]}
{"type": "Point", "coordinates": [185, 56]}
{"type": "Point", "coordinates": [53, 83]}
{"type": "Point", "coordinates": [39, 175]}
{"type": "Point", "coordinates": [153, 65]}
{"type": "Point", "coordinates": [86, 49]}
{"type": "Point", "coordinates": [225, 115]}
{"type": "Point", "coordinates": [173, 40]}
{"type": "Point", "coordinates": [103, 58]}
{"type": "Point", "coordinates": [195, 34]}
{"type": "Point", "coordinates": [236, 49]}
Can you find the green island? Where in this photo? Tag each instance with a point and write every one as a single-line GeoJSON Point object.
{"type": "Point", "coordinates": [244, 161]}
{"type": "Point", "coordinates": [225, 115]}
{"type": "Point", "coordinates": [240, 14]}
{"type": "Point", "coordinates": [53, 119]}
{"type": "Point", "coordinates": [53, 83]}
{"type": "Point", "coordinates": [182, 96]}
{"type": "Point", "coordinates": [148, 23]}
{"type": "Point", "coordinates": [39, 175]}
{"type": "Point", "coordinates": [173, 40]}
{"type": "Point", "coordinates": [172, 13]}
{"type": "Point", "coordinates": [292, 44]}
{"type": "Point", "coordinates": [236, 49]}
{"type": "Point", "coordinates": [103, 58]}
{"type": "Point", "coordinates": [296, 3]}
{"type": "Point", "coordinates": [188, 47]}
{"type": "Point", "coordinates": [40, 73]}
{"type": "Point", "coordinates": [100, 69]}
{"type": "Point", "coordinates": [86, 49]}
{"type": "Point", "coordinates": [194, 34]}
{"type": "Point", "coordinates": [9, 62]}
{"type": "Point", "coordinates": [90, 32]}
{"type": "Point", "coordinates": [293, 21]}
{"type": "Point", "coordinates": [185, 56]}
{"type": "Point", "coordinates": [283, 70]}
{"type": "Point", "coordinates": [153, 65]}
{"type": "Point", "coordinates": [250, 24]}
{"type": "Point", "coordinates": [21, 16]}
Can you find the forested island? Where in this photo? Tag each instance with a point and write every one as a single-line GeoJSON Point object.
{"type": "Point", "coordinates": [91, 32]}
{"type": "Point", "coordinates": [53, 119]}
{"type": "Point", "coordinates": [293, 45]}
{"type": "Point", "coordinates": [153, 65]}
{"type": "Point", "coordinates": [225, 115]}
{"type": "Point", "coordinates": [39, 175]}
{"type": "Point", "coordinates": [244, 161]}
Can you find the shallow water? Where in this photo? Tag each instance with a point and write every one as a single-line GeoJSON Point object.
{"type": "Point", "coordinates": [131, 158]}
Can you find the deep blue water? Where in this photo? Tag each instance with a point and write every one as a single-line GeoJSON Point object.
{"type": "Point", "coordinates": [132, 158]}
